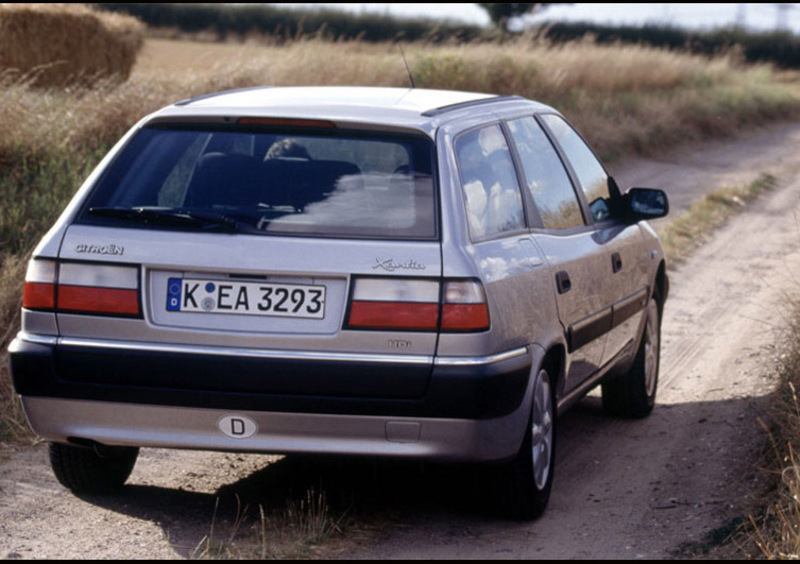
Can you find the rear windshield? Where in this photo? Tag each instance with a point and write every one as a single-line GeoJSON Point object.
{"type": "Point", "coordinates": [272, 183]}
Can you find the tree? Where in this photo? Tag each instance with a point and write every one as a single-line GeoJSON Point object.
{"type": "Point", "coordinates": [501, 12]}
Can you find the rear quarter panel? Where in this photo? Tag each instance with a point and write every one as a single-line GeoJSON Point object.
{"type": "Point", "coordinates": [512, 269]}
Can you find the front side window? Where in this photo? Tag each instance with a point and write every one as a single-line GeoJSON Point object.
{"type": "Point", "coordinates": [493, 200]}
{"type": "Point", "coordinates": [545, 176]}
{"type": "Point", "coordinates": [268, 182]}
{"type": "Point", "coordinates": [591, 174]}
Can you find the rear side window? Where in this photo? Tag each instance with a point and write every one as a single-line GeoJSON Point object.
{"type": "Point", "coordinates": [269, 182]}
{"type": "Point", "coordinates": [489, 179]}
{"type": "Point", "coordinates": [545, 176]}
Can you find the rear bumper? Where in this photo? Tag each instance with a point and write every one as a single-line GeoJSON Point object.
{"type": "Point", "coordinates": [114, 424]}
{"type": "Point", "coordinates": [123, 394]}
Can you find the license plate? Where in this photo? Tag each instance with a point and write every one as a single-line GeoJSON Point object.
{"type": "Point", "coordinates": [245, 298]}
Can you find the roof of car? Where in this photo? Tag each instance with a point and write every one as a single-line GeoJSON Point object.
{"type": "Point", "coordinates": [402, 107]}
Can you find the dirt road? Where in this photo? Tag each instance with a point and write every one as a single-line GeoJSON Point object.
{"type": "Point", "coordinates": [623, 489]}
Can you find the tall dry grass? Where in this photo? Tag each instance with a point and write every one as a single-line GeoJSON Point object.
{"type": "Point", "coordinates": [12, 420]}
{"type": "Point", "coordinates": [623, 97]}
{"type": "Point", "coordinates": [775, 524]}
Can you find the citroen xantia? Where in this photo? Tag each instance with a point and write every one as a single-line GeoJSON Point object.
{"type": "Point", "coordinates": [365, 271]}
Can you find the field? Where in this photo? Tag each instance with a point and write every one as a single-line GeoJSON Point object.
{"type": "Point", "coordinates": [627, 99]}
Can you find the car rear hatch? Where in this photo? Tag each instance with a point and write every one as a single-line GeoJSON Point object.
{"type": "Point", "coordinates": [257, 258]}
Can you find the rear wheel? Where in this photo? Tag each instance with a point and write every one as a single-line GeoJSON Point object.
{"type": "Point", "coordinates": [634, 394]}
{"type": "Point", "coordinates": [524, 484]}
{"type": "Point", "coordinates": [92, 470]}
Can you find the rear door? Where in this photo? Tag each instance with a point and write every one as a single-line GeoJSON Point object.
{"type": "Point", "coordinates": [624, 266]}
{"type": "Point", "coordinates": [575, 254]}
{"type": "Point", "coordinates": [251, 241]}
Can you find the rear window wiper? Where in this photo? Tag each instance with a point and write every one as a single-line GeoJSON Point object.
{"type": "Point", "coordinates": [170, 217]}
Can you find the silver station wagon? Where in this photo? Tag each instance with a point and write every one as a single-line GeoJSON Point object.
{"type": "Point", "coordinates": [364, 271]}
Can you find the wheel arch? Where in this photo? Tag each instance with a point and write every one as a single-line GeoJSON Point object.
{"type": "Point", "coordinates": [555, 362]}
{"type": "Point", "coordinates": [662, 286]}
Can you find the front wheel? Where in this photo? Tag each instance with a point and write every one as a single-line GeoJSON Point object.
{"type": "Point", "coordinates": [524, 484]}
{"type": "Point", "coordinates": [96, 470]}
{"type": "Point", "coordinates": [634, 394]}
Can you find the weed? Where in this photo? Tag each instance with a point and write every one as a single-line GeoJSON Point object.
{"type": "Point", "coordinates": [290, 533]}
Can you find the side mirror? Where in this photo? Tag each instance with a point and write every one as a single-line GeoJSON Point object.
{"type": "Point", "coordinates": [645, 204]}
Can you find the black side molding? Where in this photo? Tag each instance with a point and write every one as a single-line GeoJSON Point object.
{"type": "Point", "coordinates": [595, 326]}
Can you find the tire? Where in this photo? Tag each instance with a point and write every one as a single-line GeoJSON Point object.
{"type": "Point", "coordinates": [98, 470]}
{"type": "Point", "coordinates": [633, 395]}
{"type": "Point", "coordinates": [523, 485]}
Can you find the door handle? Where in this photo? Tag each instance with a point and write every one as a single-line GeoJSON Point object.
{"type": "Point", "coordinates": [563, 283]}
{"type": "Point", "coordinates": [616, 263]}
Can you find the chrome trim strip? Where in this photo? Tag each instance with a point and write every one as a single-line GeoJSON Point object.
{"type": "Point", "coordinates": [480, 360]}
{"type": "Point", "coordinates": [37, 339]}
{"type": "Point", "coordinates": [274, 354]}
{"type": "Point", "coordinates": [245, 353]}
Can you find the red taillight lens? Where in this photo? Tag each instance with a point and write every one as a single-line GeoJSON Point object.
{"type": "Point", "coordinates": [103, 301]}
{"type": "Point", "coordinates": [465, 317]}
{"type": "Point", "coordinates": [394, 316]}
{"type": "Point", "coordinates": [82, 288]}
{"type": "Point", "coordinates": [39, 296]}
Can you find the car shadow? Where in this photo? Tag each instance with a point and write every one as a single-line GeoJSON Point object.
{"type": "Point", "coordinates": [363, 490]}
{"type": "Point", "coordinates": [394, 492]}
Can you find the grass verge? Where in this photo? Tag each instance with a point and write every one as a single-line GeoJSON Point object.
{"type": "Point", "coordinates": [688, 231]}
{"type": "Point", "coordinates": [774, 527]}
{"type": "Point", "coordinates": [13, 426]}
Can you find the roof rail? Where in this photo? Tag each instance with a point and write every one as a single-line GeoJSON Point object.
{"type": "Point", "coordinates": [215, 94]}
{"type": "Point", "coordinates": [453, 107]}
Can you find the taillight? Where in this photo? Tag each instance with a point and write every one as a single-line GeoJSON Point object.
{"type": "Point", "coordinates": [82, 288]}
{"type": "Point", "coordinates": [389, 304]}
{"type": "Point", "coordinates": [394, 304]}
{"type": "Point", "coordinates": [40, 286]}
{"type": "Point", "coordinates": [98, 289]}
{"type": "Point", "coordinates": [465, 308]}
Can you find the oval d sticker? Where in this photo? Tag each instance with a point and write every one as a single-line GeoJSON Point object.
{"type": "Point", "coordinates": [237, 427]}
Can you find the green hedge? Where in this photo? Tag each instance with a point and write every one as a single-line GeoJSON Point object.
{"type": "Point", "coordinates": [779, 48]}
{"type": "Point", "coordinates": [290, 23]}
